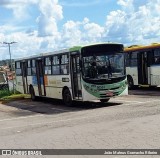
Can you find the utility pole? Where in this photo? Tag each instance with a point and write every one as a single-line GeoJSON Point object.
{"type": "Point", "coordinates": [10, 65]}
{"type": "Point", "coordinates": [9, 46]}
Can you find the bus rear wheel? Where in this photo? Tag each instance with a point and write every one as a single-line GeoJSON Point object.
{"type": "Point", "coordinates": [33, 97]}
{"type": "Point", "coordinates": [104, 100]}
{"type": "Point", "coordinates": [67, 99]}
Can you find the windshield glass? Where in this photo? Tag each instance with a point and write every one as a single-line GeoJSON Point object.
{"type": "Point", "coordinates": [103, 66]}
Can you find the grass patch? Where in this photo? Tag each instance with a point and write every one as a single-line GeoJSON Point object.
{"type": "Point", "coordinates": [15, 97]}
{"type": "Point", "coordinates": [6, 95]}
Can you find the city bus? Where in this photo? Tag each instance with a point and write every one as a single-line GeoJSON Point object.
{"type": "Point", "coordinates": [143, 65]}
{"type": "Point", "coordinates": [81, 73]}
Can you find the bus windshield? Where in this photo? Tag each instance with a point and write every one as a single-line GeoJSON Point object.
{"type": "Point", "coordinates": [103, 66]}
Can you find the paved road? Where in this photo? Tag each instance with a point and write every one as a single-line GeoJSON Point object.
{"type": "Point", "coordinates": [130, 122]}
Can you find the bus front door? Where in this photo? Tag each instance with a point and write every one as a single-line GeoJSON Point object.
{"type": "Point", "coordinates": [24, 77]}
{"type": "Point", "coordinates": [142, 68]}
{"type": "Point", "coordinates": [40, 77]}
{"type": "Point", "coordinates": [75, 77]}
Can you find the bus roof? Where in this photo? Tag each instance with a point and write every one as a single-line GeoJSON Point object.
{"type": "Point", "coordinates": [74, 48]}
{"type": "Point", "coordinates": [141, 47]}
{"type": "Point", "coordinates": [43, 54]}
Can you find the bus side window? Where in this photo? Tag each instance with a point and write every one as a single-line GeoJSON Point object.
{"type": "Point", "coordinates": [64, 59]}
{"type": "Point", "coordinates": [18, 68]}
{"type": "Point", "coordinates": [56, 66]}
{"type": "Point", "coordinates": [33, 69]}
{"type": "Point", "coordinates": [64, 64]}
{"type": "Point", "coordinates": [157, 56]}
{"type": "Point", "coordinates": [133, 59]}
{"type": "Point", "coordinates": [29, 68]}
{"type": "Point", "coordinates": [47, 65]}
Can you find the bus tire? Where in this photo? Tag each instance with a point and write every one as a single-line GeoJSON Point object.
{"type": "Point", "coordinates": [33, 97]}
{"type": "Point", "coordinates": [67, 98]}
{"type": "Point", "coordinates": [130, 82]}
{"type": "Point", "coordinates": [104, 100]}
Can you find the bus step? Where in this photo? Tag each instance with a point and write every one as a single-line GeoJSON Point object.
{"type": "Point", "coordinates": [142, 85]}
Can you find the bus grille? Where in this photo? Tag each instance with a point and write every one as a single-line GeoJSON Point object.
{"type": "Point", "coordinates": [105, 95]}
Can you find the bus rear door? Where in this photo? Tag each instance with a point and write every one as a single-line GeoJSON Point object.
{"type": "Point", "coordinates": [24, 76]}
{"type": "Point", "coordinates": [75, 76]}
{"type": "Point", "coordinates": [142, 68]}
{"type": "Point", "coordinates": [40, 77]}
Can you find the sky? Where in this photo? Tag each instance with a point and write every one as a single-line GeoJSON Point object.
{"type": "Point", "coordinates": [39, 26]}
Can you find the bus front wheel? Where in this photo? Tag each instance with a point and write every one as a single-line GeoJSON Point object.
{"type": "Point", "coordinates": [104, 100]}
{"type": "Point", "coordinates": [33, 97]}
{"type": "Point", "coordinates": [67, 99]}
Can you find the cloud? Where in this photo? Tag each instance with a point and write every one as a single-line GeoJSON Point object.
{"type": "Point", "coordinates": [33, 41]}
{"type": "Point", "coordinates": [10, 2]}
{"type": "Point", "coordinates": [116, 25]}
{"type": "Point", "coordinates": [93, 32]}
{"type": "Point", "coordinates": [140, 24]}
{"type": "Point", "coordinates": [18, 7]}
{"type": "Point", "coordinates": [26, 45]}
{"type": "Point", "coordinates": [135, 22]}
{"type": "Point", "coordinates": [71, 33]}
{"type": "Point", "coordinates": [50, 13]}
{"type": "Point", "coordinates": [5, 29]}
{"type": "Point", "coordinates": [81, 32]}
{"type": "Point", "coordinates": [44, 44]}
{"type": "Point", "coordinates": [16, 2]}
{"type": "Point", "coordinates": [51, 8]}
{"type": "Point", "coordinates": [125, 3]}
{"type": "Point", "coordinates": [47, 26]}
{"type": "Point", "coordinates": [131, 5]}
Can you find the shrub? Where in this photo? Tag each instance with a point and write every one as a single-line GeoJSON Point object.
{"type": "Point", "coordinates": [4, 93]}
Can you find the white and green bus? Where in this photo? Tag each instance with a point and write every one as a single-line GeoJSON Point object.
{"type": "Point", "coordinates": [81, 73]}
{"type": "Point", "coordinates": [143, 65]}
